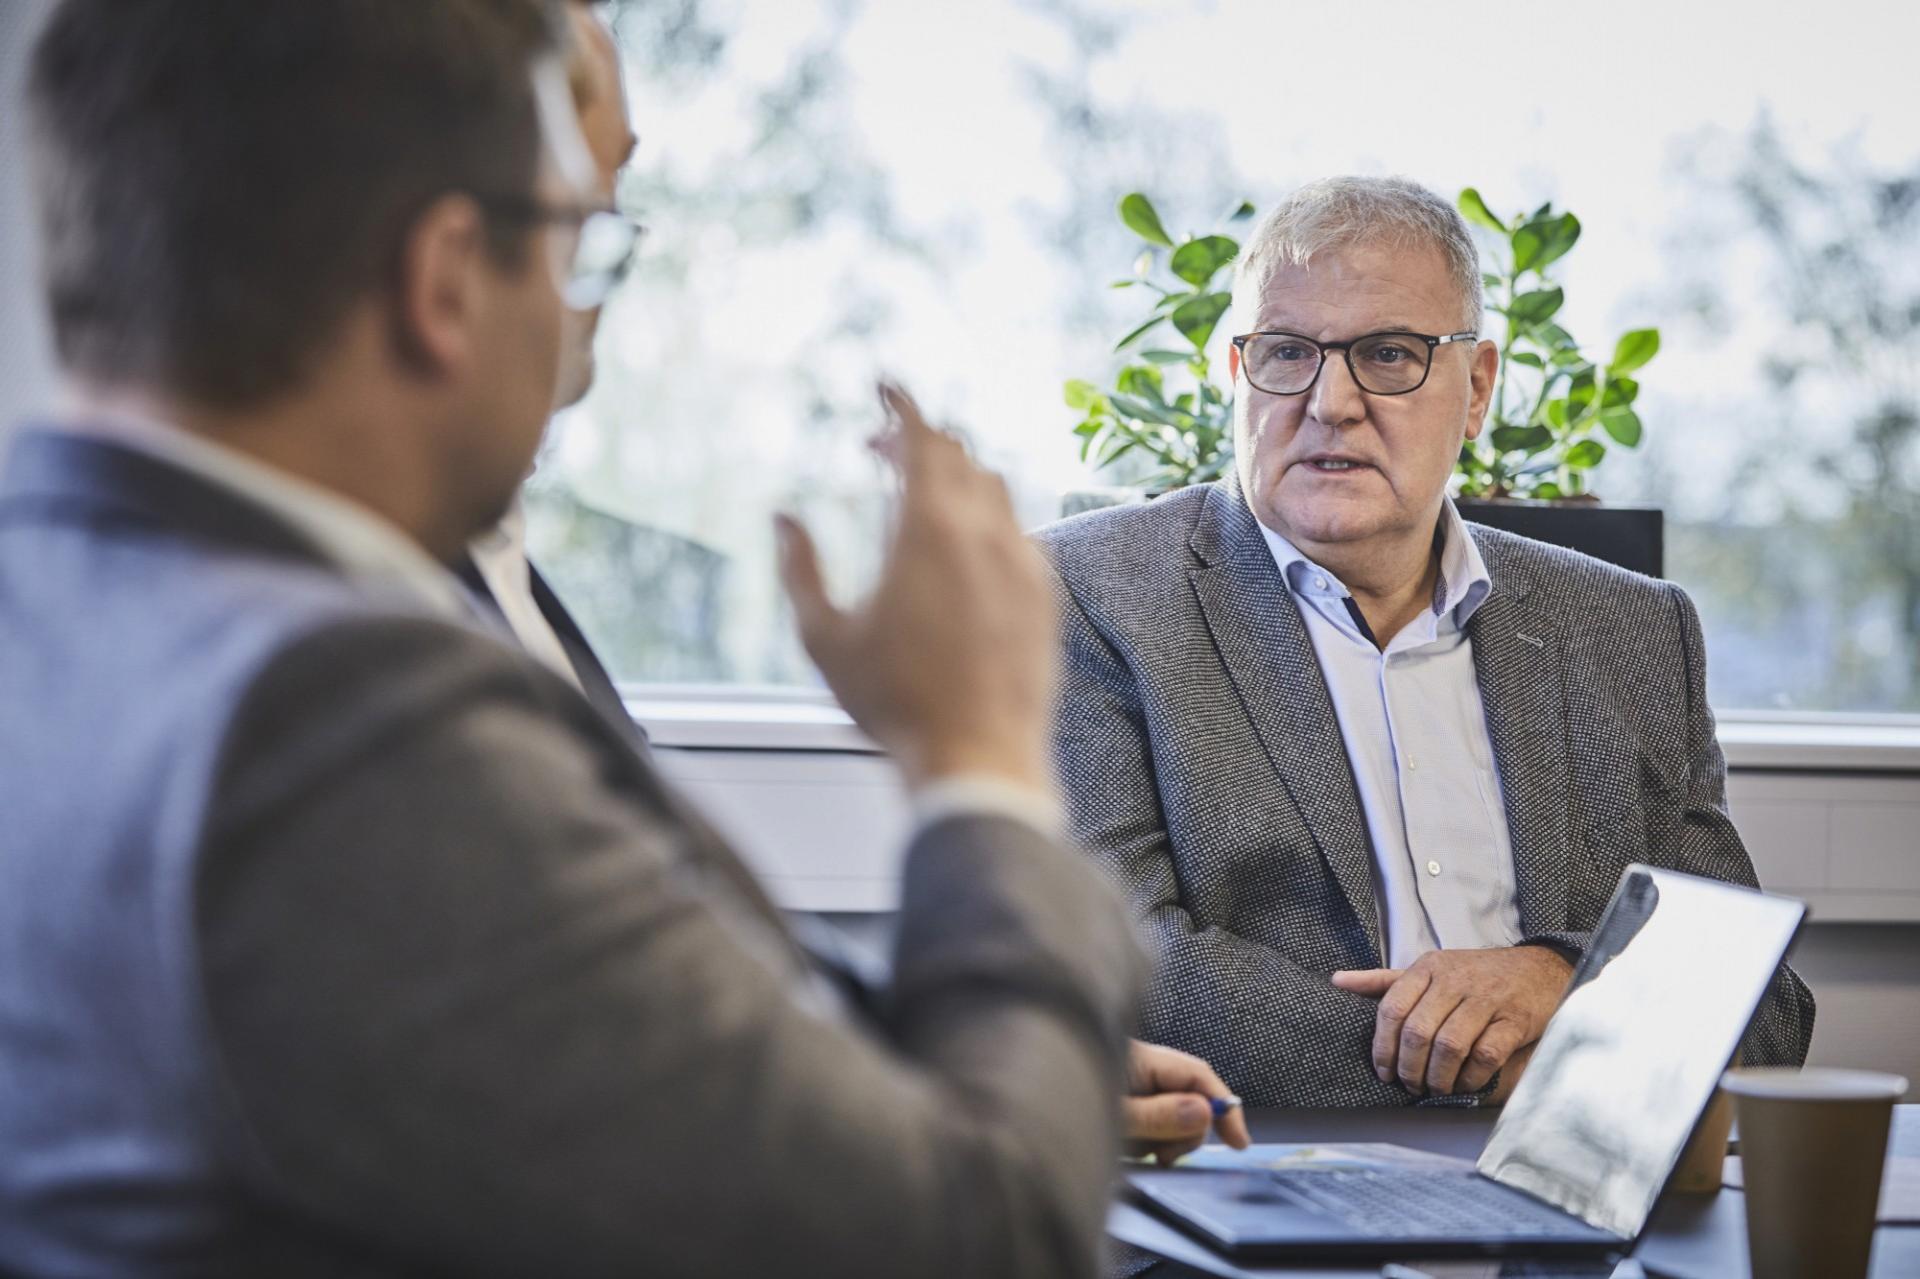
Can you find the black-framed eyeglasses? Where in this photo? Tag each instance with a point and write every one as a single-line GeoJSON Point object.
{"type": "Point", "coordinates": [1392, 363]}
{"type": "Point", "coordinates": [606, 244]}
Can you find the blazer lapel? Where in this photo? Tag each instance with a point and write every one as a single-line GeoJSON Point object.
{"type": "Point", "coordinates": [1516, 658]}
{"type": "Point", "coordinates": [594, 678]}
{"type": "Point", "coordinates": [1269, 656]}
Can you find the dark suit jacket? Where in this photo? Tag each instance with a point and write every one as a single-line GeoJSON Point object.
{"type": "Point", "coordinates": [1205, 769]}
{"type": "Point", "coordinates": [596, 684]}
{"type": "Point", "coordinates": [336, 938]}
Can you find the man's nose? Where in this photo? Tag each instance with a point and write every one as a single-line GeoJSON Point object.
{"type": "Point", "coordinates": [1336, 399]}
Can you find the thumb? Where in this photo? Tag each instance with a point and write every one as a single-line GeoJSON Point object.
{"type": "Point", "coordinates": [1168, 1116]}
{"type": "Point", "coordinates": [804, 584]}
{"type": "Point", "coordinates": [1373, 982]}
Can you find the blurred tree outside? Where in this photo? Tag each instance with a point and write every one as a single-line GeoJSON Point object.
{"type": "Point", "coordinates": [1806, 558]}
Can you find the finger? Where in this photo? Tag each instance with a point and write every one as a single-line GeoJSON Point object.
{"type": "Point", "coordinates": [1490, 1054]}
{"type": "Point", "coordinates": [1453, 1041]}
{"type": "Point", "coordinates": [918, 446]}
{"type": "Point", "coordinates": [800, 576]}
{"type": "Point", "coordinates": [1232, 1128]}
{"type": "Point", "coordinates": [1399, 1001]}
{"type": "Point", "coordinates": [1171, 1154]}
{"type": "Point", "coordinates": [1418, 1031]}
{"type": "Point", "coordinates": [1167, 1117]}
{"type": "Point", "coordinates": [1371, 982]}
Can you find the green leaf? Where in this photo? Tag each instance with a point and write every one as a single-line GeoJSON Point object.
{"type": "Point", "coordinates": [1546, 490]}
{"type": "Point", "coordinates": [1556, 337]}
{"type": "Point", "coordinates": [1142, 380]}
{"type": "Point", "coordinates": [1491, 280]}
{"type": "Point", "coordinates": [1142, 410]}
{"type": "Point", "coordinates": [1123, 284]}
{"type": "Point", "coordinates": [1580, 393]}
{"type": "Point", "coordinates": [1521, 439]}
{"type": "Point", "coordinates": [1633, 350]}
{"type": "Point", "coordinates": [1242, 213]}
{"type": "Point", "coordinates": [1475, 209]}
{"type": "Point", "coordinates": [1536, 307]}
{"type": "Point", "coordinates": [1544, 241]}
{"type": "Point", "coordinates": [1138, 333]}
{"type": "Point", "coordinates": [1197, 260]}
{"type": "Point", "coordinates": [1197, 317]}
{"type": "Point", "coordinates": [1166, 357]}
{"type": "Point", "coordinates": [1138, 213]}
{"type": "Point", "coordinates": [1529, 359]}
{"type": "Point", "coordinates": [1585, 455]}
{"type": "Point", "coordinates": [1081, 394]}
{"type": "Point", "coordinates": [1567, 356]}
{"type": "Point", "coordinates": [1557, 414]}
{"type": "Point", "coordinates": [1170, 300]}
{"type": "Point", "coordinates": [1623, 424]}
{"type": "Point", "coordinates": [1620, 392]}
{"type": "Point", "coordinates": [1089, 426]}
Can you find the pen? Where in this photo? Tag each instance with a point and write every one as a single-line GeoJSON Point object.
{"type": "Point", "coordinates": [1221, 1105]}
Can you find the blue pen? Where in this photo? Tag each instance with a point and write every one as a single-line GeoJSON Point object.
{"type": "Point", "coordinates": [1221, 1105]}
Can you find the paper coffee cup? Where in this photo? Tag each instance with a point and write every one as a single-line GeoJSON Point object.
{"type": "Point", "coordinates": [1812, 1147]}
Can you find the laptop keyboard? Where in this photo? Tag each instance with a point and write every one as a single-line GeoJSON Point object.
{"type": "Point", "coordinates": [1391, 1202]}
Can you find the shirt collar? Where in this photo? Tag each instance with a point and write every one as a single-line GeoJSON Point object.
{"type": "Point", "coordinates": [1463, 585]}
{"type": "Point", "coordinates": [364, 546]}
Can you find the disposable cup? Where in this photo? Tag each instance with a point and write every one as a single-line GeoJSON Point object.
{"type": "Point", "coordinates": [1812, 1147]}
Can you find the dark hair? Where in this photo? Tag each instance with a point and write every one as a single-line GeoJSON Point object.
{"type": "Point", "coordinates": [219, 181]}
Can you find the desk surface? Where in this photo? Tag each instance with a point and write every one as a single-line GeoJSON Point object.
{"type": "Point", "coordinates": [1689, 1238]}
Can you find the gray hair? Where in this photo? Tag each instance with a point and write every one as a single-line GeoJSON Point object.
{"type": "Point", "coordinates": [1339, 212]}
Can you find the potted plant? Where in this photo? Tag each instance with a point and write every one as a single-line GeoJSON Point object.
{"type": "Point", "coordinates": [1555, 412]}
{"type": "Point", "coordinates": [1164, 422]}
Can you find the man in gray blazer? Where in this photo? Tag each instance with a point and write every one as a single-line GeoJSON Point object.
{"type": "Point", "coordinates": [339, 936]}
{"type": "Point", "coordinates": [1368, 773]}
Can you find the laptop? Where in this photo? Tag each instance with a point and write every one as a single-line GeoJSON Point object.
{"type": "Point", "coordinates": [1589, 1138]}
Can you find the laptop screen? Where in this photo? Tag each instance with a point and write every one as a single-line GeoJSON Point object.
{"type": "Point", "coordinates": [1631, 1057]}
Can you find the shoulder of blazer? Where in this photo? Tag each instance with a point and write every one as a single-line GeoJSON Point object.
{"type": "Point", "coordinates": [1566, 584]}
{"type": "Point", "coordinates": [1143, 546]}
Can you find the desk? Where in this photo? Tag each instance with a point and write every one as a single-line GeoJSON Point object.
{"type": "Point", "coordinates": [1689, 1237]}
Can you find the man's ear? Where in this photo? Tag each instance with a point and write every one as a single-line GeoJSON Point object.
{"type": "Point", "coordinates": [1233, 363]}
{"type": "Point", "coordinates": [440, 278]}
{"type": "Point", "coordinates": [1486, 369]}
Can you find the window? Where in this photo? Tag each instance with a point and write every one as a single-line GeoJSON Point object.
{"type": "Point", "coordinates": [837, 187]}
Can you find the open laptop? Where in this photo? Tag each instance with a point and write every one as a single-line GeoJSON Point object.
{"type": "Point", "coordinates": [1586, 1144]}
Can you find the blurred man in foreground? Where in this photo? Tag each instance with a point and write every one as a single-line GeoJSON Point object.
{"type": "Point", "coordinates": [335, 936]}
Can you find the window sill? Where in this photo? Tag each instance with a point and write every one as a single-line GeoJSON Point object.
{"type": "Point", "coordinates": [762, 719]}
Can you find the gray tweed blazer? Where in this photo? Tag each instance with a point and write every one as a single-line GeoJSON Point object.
{"type": "Point", "coordinates": [1205, 770]}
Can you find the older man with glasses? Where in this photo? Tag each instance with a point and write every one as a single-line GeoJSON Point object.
{"type": "Point", "coordinates": [1369, 773]}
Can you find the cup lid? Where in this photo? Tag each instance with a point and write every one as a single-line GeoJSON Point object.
{"type": "Point", "coordinates": [1815, 1084]}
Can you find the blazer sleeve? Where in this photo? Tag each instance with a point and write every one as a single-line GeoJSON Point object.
{"type": "Point", "coordinates": [1705, 843]}
{"type": "Point", "coordinates": [478, 1004]}
{"type": "Point", "coordinates": [1278, 1033]}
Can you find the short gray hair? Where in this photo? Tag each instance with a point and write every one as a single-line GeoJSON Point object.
{"type": "Point", "coordinates": [1339, 212]}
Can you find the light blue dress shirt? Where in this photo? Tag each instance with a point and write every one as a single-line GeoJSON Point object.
{"type": "Point", "coordinates": [1416, 735]}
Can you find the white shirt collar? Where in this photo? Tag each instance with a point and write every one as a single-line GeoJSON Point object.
{"type": "Point", "coordinates": [364, 545]}
{"type": "Point", "coordinates": [1463, 585]}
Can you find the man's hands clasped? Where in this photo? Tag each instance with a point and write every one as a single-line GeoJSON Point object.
{"type": "Point", "coordinates": [1454, 1018]}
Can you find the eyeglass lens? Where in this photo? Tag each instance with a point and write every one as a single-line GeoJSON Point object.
{"type": "Point", "coordinates": [1382, 363]}
{"type": "Point", "coordinates": [602, 255]}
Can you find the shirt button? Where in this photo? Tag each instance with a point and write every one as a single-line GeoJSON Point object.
{"type": "Point", "coordinates": [1433, 868]}
{"type": "Point", "coordinates": [1320, 582]}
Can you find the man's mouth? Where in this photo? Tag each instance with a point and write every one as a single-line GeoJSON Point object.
{"type": "Point", "coordinates": [1335, 464]}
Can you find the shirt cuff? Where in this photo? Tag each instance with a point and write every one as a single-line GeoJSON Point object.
{"type": "Point", "coordinates": [980, 795]}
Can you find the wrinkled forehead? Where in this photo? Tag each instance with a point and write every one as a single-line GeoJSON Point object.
{"type": "Point", "coordinates": [1361, 287]}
